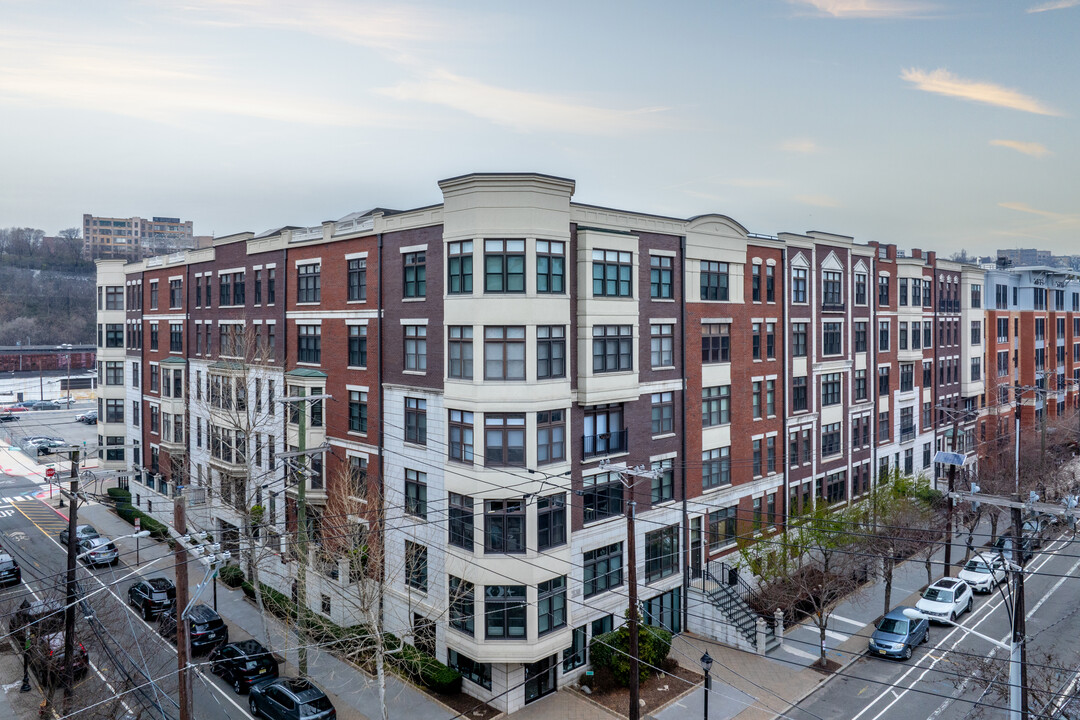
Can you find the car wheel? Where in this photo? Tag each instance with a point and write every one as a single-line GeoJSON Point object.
{"type": "Point", "coordinates": [971, 600]}
{"type": "Point", "coordinates": [147, 614]}
{"type": "Point", "coordinates": [907, 652]}
{"type": "Point", "coordinates": [237, 687]}
{"type": "Point", "coordinates": [253, 707]}
{"type": "Point", "coordinates": [926, 636]}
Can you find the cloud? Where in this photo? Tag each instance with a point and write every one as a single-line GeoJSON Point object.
{"type": "Point", "coordinates": [43, 71]}
{"type": "Point", "coordinates": [867, 9]}
{"type": "Point", "coordinates": [1049, 224]}
{"type": "Point", "coordinates": [1054, 5]}
{"type": "Point", "coordinates": [1028, 148]}
{"type": "Point", "coordinates": [823, 201]}
{"type": "Point", "coordinates": [522, 110]}
{"type": "Point", "coordinates": [943, 82]}
{"type": "Point", "coordinates": [800, 145]}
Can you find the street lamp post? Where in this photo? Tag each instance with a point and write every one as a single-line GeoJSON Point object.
{"type": "Point", "coordinates": [706, 665]}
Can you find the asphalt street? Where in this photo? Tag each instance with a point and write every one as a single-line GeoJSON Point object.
{"type": "Point", "coordinates": [935, 683]}
{"type": "Point", "coordinates": [126, 651]}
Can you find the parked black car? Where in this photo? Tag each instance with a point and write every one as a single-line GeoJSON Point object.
{"type": "Point", "coordinates": [1004, 544]}
{"type": "Point", "coordinates": [89, 417]}
{"type": "Point", "coordinates": [82, 532]}
{"type": "Point", "coordinates": [40, 616]}
{"type": "Point", "coordinates": [152, 597]}
{"type": "Point", "coordinates": [46, 657]}
{"type": "Point", "coordinates": [10, 572]}
{"type": "Point", "coordinates": [206, 628]}
{"type": "Point", "coordinates": [243, 664]}
{"type": "Point", "coordinates": [290, 699]}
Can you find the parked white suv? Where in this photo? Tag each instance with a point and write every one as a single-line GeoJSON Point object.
{"type": "Point", "coordinates": [946, 600]}
{"type": "Point", "coordinates": [983, 573]}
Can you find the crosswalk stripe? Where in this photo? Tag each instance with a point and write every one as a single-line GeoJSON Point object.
{"type": "Point", "coordinates": [849, 621]}
{"type": "Point", "coordinates": [798, 653]}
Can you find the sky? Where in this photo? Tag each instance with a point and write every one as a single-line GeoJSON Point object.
{"type": "Point", "coordinates": [946, 125]}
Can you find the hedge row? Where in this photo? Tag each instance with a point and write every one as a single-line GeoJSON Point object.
{"type": "Point", "coordinates": [612, 650]}
{"type": "Point", "coordinates": [122, 501]}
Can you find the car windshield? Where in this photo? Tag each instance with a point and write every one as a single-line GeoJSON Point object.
{"type": "Point", "coordinates": [938, 595]}
{"type": "Point", "coordinates": [315, 707]}
{"type": "Point", "coordinates": [977, 566]}
{"type": "Point", "coordinates": [893, 626]}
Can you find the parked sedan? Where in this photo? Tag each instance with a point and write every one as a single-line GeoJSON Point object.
{"type": "Point", "coordinates": [47, 405]}
{"type": "Point", "coordinates": [946, 600]}
{"type": "Point", "coordinates": [98, 551]}
{"type": "Point", "coordinates": [243, 664]}
{"type": "Point", "coordinates": [206, 628]}
{"type": "Point", "coordinates": [82, 532]}
{"type": "Point", "coordinates": [89, 417]}
{"type": "Point", "coordinates": [153, 596]}
{"type": "Point", "coordinates": [6, 416]}
{"type": "Point", "coordinates": [47, 658]}
{"type": "Point", "coordinates": [290, 699]}
{"type": "Point", "coordinates": [983, 573]}
{"type": "Point", "coordinates": [10, 572]}
{"type": "Point", "coordinates": [897, 634]}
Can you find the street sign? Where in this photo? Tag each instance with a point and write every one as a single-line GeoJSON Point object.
{"type": "Point", "coordinates": [949, 458]}
{"type": "Point", "coordinates": [137, 524]}
{"type": "Point", "coordinates": [50, 472]}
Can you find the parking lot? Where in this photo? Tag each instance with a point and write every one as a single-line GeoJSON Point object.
{"type": "Point", "coordinates": [54, 423]}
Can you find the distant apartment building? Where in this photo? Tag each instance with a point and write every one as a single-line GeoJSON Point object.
{"type": "Point", "coordinates": [134, 238]}
{"type": "Point", "coordinates": [511, 372]}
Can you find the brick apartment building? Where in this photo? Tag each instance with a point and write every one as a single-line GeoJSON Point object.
{"type": "Point", "coordinates": [133, 238]}
{"type": "Point", "coordinates": [494, 362]}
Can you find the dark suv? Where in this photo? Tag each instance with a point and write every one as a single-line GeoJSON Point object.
{"type": "Point", "coordinates": [47, 659]}
{"type": "Point", "coordinates": [206, 628]}
{"type": "Point", "coordinates": [43, 616]}
{"type": "Point", "coordinates": [152, 596]}
{"type": "Point", "coordinates": [290, 699]}
{"type": "Point", "coordinates": [10, 572]}
{"type": "Point", "coordinates": [242, 664]}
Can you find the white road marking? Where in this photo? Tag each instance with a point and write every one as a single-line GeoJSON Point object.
{"type": "Point", "coordinates": [828, 633]}
{"type": "Point", "coordinates": [849, 621]}
{"type": "Point", "coordinates": [798, 653]}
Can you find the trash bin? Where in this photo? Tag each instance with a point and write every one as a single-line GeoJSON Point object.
{"type": "Point", "coordinates": [733, 576]}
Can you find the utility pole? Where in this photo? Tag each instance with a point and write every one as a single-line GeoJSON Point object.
{"type": "Point", "coordinates": [633, 619]}
{"type": "Point", "coordinates": [302, 538]}
{"type": "Point", "coordinates": [949, 511]}
{"type": "Point", "coordinates": [182, 646]}
{"type": "Point", "coordinates": [1018, 693]}
{"type": "Point", "coordinates": [69, 609]}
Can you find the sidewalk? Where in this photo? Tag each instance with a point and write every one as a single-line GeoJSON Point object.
{"type": "Point", "coordinates": [354, 694]}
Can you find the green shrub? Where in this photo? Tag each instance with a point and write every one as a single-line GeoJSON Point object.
{"type": "Point", "coordinates": [248, 589]}
{"type": "Point", "coordinates": [423, 668]}
{"type": "Point", "coordinates": [119, 495]}
{"type": "Point", "coordinates": [231, 575]}
{"type": "Point", "coordinates": [611, 650]}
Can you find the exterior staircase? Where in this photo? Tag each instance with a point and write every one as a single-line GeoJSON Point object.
{"type": "Point", "coordinates": [728, 596]}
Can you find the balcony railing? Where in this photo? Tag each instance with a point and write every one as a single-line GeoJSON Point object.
{"type": "Point", "coordinates": [833, 306]}
{"type": "Point", "coordinates": [607, 443]}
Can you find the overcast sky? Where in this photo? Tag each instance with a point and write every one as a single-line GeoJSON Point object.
{"type": "Point", "coordinates": [945, 125]}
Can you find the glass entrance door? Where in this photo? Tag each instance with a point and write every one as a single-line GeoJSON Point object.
{"type": "Point", "coordinates": [540, 678]}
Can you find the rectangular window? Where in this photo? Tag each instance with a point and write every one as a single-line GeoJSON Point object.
{"type": "Point", "coordinates": [755, 283]}
{"type": "Point", "coordinates": [883, 336]}
{"type": "Point", "coordinates": [416, 421]}
{"type": "Point", "coordinates": [799, 399]}
{"type": "Point", "coordinates": [603, 495]}
{"type": "Point", "coordinates": [358, 416]}
{"type": "Point", "coordinates": [716, 468]}
{"type": "Point", "coordinates": [662, 345]}
{"type": "Point", "coordinates": [798, 339]}
{"type": "Point", "coordinates": [154, 378]}
{"type": "Point", "coordinates": [663, 485]}
{"type": "Point", "coordinates": [723, 527]}
{"type": "Point", "coordinates": [883, 426]}
{"type": "Point", "coordinates": [153, 335]}
{"type": "Point", "coordinates": [604, 432]}
{"type": "Point", "coordinates": [504, 439]}
{"type": "Point", "coordinates": [550, 267]}
{"type": "Point", "coordinates": [755, 399]}
{"type": "Point", "coordinates": [460, 524]}
{"type": "Point", "coordinates": [416, 566]}
{"type": "Point", "coordinates": [505, 612]}
{"type": "Point", "coordinates": [416, 493]}
{"type": "Point", "coordinates": [883, 381]}
{"type": "Point", "coordinates": [416, 348]}
{"type": "Point", "coordinates": [308, 283]}
{"type": "Point", "coordinates": [550, 351]}
{"type": "Point", "coordinates": [551, 605]}
{"type": "Point", "coordinates": [830, 389]}
{"type": "Point", "coordinates": [550, 521]}
{"type": "Point", "coordinates": [474, 672]}
{"type": "Point", "coordinates": [258, 287]}
{"type": "Point", "coordinates": [461, 436]}
{"type": "Point", "coordinates": [357, 279]}
{"type": "Point", "coordinates": [114, 373]}
{"type": "Point", "coordinates": [832, 289]}
{"type": "Point", "coordinates": [415, 269]}
{"type": "Point", "coordinates": [770, 283]}
{"type": "Point", "coordinates": [550, 437]}
{"type": "Point", "coordinates": [504, 266]}
{"type": "Point", "coordinates": [831, 443]}
{"type": "Point", "coordinates": [114, 411]}
{"type": "Point", "coordinates": [715, 343]}
{"type": "Point", "coordinates": [504, 353]}
{"type": "Point", "coordinates": [504, 526]}
{"type": "Point", "coordinates": [176, 337]}
{"type": "Point", "coordinates": [715, 405]}
{"type": "Point", "coordinates": [907, 377]}
{"type": "Point", "coordinates": [358, 345]}
{"type": "Point", "coordinates": [660, 277]}
{"type": "Point", "coordinates": [661, 553]}
{"type": "Point", "coordinates": [612, 271]}
{"type": "Point", "coordinates": [663, 412]}
{"type": "Point", "coordinates": [612, 348]}
{"type": "Point", "coordinates": [903, 342]}
{"type": "Point", "coordinates": [271, 277]}
{"type": "Point", "coordinates": [757, 458]}
{"type": "Point", "coordinates": [309, 343]}
{"type": "Point", "coordinates": [460, 350]}
{"type": "Point", "coordinates": [883, 291]}
{"type": "Point", "coordinates": [154, 295]}
{"type": "Point", "coordinates": [714, 280]}
{"type": "Point", "coordinates": [860, 336]}
{"type": "Point", "coordinates": [831, 338]}
{"type": "Point", "coordinates": [901, 291]}
{"type": "Point", "coordinates": [770, 398]}
{"type": "Point", "coordinates": [798, 285]}
{"type": "Point", "coordinates": [603, 569]}
{"type": "Point", "coordinates": [459, 267]}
